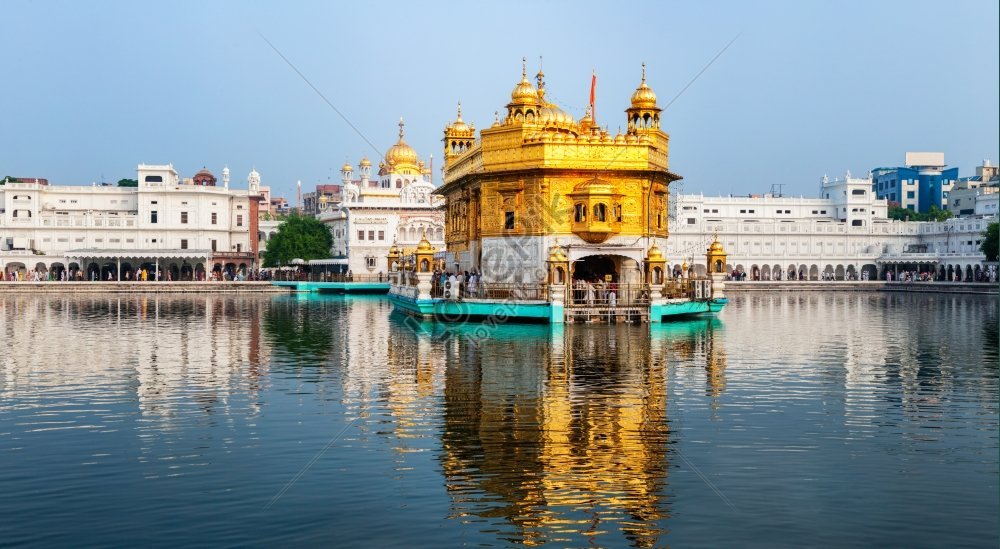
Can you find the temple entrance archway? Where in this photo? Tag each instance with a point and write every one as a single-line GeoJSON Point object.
{"type": "Point", "coordinates": [596, 267]}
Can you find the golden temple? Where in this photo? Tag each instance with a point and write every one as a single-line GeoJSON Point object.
{"type": "Point", "coordinates": [539, 178]}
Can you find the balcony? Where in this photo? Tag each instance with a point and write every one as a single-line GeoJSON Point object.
{"type": "Point", "coordinates": [597, 211]}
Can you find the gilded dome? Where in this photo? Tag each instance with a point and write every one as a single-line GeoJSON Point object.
{"type": "Point", "coordinates": [424, 245]}
{"type": "Point", "coordinates": [459, 125]}
{"type": "Point", "coordinates": [654, 253]}
{"type": "Point", "coordinates": [346, 167]}
{"type": "Point", "coordinates": [524, 91]}
{"type": "Point", "coordinates": [643, 97]}
{"type": "Point", "coordinates": [716, 246]}
{"type": "Point", "coordinates": [365, 163]}
{"type": "Point", "coordinates": [552, 115]}
{"type": "Point", "coordinates": [401, 153]}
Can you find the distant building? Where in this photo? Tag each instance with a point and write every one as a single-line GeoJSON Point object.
{"type": "Point", "coordinates": [279, 206]}
{"type": "Point", "coordinates": [323, 198]}
{"type": "Point", "coordinates": [845, 233]}
{"type": "Point", "coordinates": [9, 179]}
{"type": "Point", "coordinates": [923, 182]}
{"type": "Point", "coordinates": [187, 227]}
{"type": "Point", "coordinates": [976, 195]}
{"type": "Point", "coordinates": [397, 206]}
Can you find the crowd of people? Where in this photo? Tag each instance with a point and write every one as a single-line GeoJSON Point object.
{"type": "Point", "coordinates": [139, 275]}
{"type": "Point", "coordinates": [456, 285]}
{"type": "Point", "coordinates": [979, 275]}
{"type": "Point", "coordinates": [595, 291]}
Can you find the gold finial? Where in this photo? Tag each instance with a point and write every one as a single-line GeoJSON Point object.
{"type": "Point", "coordinates": [644, 72]}
{"type": "Point", "coordinates": [400, 127]}
{"type": "Point", "coordinates": [459, 110]}
{"type": "Point", "coordinates": [524, 68]}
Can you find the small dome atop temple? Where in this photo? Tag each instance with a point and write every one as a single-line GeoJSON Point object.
{"type": "Point", "coordinates": [643, 97]}
{"type": "Point", "coordinates": [524, 92]}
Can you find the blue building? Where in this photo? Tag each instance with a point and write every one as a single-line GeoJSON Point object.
{"type": "Point", "coordinates": [923, 182]}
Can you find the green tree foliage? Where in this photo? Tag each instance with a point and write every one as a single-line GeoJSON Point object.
{"type": "Point", "coordinates": [6, 178]}
{"type": "Point", "coordinates": [128, 183]}
{"type": "Point", "coordinates": [991, 241]}
{"type": "Point", "coordinates": [903, 214]}
{"type": "Point", "coordinates": [298, 237]}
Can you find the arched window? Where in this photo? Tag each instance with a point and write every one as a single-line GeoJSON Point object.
{"type": "Point", "coordinates": [600, 212]}
{"type": "Point", "coordinates": [580, 213]}
{"type": "Point", "coordinates": [399, 183]}
{"type": "Point", "coordinates": [154, 179]}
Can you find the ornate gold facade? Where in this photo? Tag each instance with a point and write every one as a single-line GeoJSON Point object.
{"type": "Point", "coordinates": [538, 172]}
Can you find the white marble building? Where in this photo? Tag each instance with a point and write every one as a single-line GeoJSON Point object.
{"type": "Point", "coordinates": [395, 206]}
{"type": "Point", "coordinates": [843, 233]}
{"type": "Point", "coordinates": [184, 227]}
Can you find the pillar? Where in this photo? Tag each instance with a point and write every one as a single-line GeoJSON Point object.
{"type": "Point", "coordinates": [118, 269]}
{"type": "Point", "coordinates": [558, 265]}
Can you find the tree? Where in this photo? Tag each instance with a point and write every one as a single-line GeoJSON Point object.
{"type": "Point", "coordinates": [937, 214]}
{"type": "Point", "coordinates": [298, 237]}
{"type": "Point", "coordinates": [8, 178]}
{"type": "Point", "coordinates": [991, 241]}
{"type": "Point", "coordinates": [904, 214]}
{"type": "Point", "coordinates": [128, 183]}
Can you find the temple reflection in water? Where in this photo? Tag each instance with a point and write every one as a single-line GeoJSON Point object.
{"type": "Point", "coordinates": [564, 431]}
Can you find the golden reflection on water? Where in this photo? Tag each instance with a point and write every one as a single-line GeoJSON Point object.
{"type": "Point", "coordinates": [566, 435]}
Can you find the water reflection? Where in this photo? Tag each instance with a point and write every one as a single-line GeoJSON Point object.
{"type": "Point", "coordinates": [563, 432]}
{"type": "Point", "coordinates": [535, 435]}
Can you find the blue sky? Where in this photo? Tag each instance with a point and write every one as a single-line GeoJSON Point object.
{"type": "Point", "coordinates": [93, 88]}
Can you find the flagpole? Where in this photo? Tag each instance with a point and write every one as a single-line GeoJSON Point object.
{"type": "Point", "coordinates": [593, 89]}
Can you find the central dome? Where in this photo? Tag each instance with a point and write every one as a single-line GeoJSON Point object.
{"type": "Point", "coordinates": [401, 153]}
{"type": "Point", "coordinates": [552, 115]}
